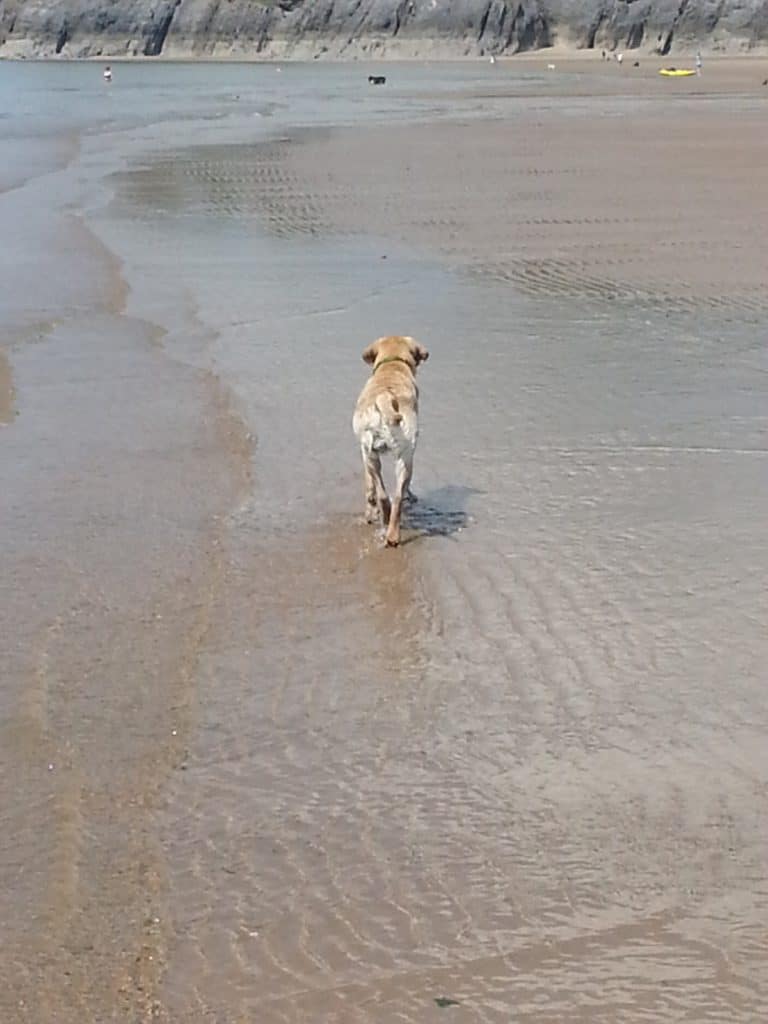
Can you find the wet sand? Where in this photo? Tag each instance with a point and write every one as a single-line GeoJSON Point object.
{"type": "Point", "coordinates": [639, 198]}
{"type": "Point", "coordinates": [518, 763]}
{"type": "Point", "coordinates": [6, 390]}
{"type": "Point", "coordinates": [109, 570]}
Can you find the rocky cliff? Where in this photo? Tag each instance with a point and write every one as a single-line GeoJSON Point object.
{"type": "Point", "coordinates": [372, 28]}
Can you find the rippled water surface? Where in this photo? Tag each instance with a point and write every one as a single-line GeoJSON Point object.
{"type": "Point", "coordinates": [254, 766]}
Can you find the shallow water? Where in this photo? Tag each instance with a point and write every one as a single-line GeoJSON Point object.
{"type": "Point", "coordinates": [518, 762]}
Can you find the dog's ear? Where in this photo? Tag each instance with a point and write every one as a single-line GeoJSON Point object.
{"type": "Point", "coordinates": [420, 354]}
{"type": "Point", "coordinates": [369, 356]}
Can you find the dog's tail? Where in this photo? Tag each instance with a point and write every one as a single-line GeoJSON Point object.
{"type": "Point", "coordinates": [389, 409]}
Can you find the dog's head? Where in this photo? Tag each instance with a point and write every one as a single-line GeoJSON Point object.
{"type": "Point", "coordinates": [396, 348]}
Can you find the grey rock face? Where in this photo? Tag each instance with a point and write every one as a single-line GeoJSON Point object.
{"type": "Point", "coordinates": [660, 26]}
{"type": "Point", "coordinates": [372, 28]}
{"type": "Point", "coordinates": [116, 27]}
{"type": "Point", "coordinates": [357, 27]}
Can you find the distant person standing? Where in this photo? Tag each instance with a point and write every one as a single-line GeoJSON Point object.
{"type": "Point", "coordinates": [698, 62]}
{"type": "Point", "coordinates": [107, 73]}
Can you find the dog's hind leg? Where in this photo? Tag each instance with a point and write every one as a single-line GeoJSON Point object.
{"type": "Point", "coordinates": [375, 492]}
{"type": "Point", "coordinates": [408, 496]}
{"type": "Point", "coordinates": [403, 471]}
{"type": "Point", "coordinates": [371, 502]}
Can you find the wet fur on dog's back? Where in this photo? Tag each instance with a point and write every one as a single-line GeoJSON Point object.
{"type": "Point", "coordinates": [386, 422]}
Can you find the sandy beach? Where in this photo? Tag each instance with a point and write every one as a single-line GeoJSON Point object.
{"type": "Point", "coordinates": [256, 768]}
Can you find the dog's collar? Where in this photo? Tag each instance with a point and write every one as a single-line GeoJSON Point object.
{"type": "Point", "coordinates": [391, 359]}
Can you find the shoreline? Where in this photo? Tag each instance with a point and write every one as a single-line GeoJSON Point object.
{"type": "Point", "coordinates": [109, 588]}
{"type": "Point", "coordinates": [572, 54]}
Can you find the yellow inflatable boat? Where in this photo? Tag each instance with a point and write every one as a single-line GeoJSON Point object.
{"type": "Point", "coordinates": [677, 72]}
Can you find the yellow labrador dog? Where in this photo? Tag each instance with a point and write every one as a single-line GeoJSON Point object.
{"type": "Point", "coordinates": [386, 421]}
